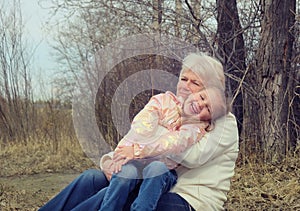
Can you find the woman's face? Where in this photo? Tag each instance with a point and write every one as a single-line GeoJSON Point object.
{"type": "Point", "coordinates": [188, 83]}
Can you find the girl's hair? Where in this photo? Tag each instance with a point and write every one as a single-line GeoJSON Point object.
{"type": "Point", "coordinates": [209, 69]}
{"type": "Point", "coordinates": [218, 102]}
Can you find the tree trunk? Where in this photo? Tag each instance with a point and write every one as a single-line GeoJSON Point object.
{"type": "Point", "coordinates": [274, 78]}
{"type": "Point", "coordinates": [157, 14]}
{"type": "Point", "coordinates": [232, 50]}
{"type": "Point", "coordinates": [178, 21]}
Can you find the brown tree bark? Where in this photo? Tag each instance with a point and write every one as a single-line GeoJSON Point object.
{"type": "Point", "coordinates": [178, 21]}
{"type": "Point", "coordinates": [274, 79]}
{"type": "Point", "coordinates": [232, 50]}
{"type": "Point", "coordinates": [157, 14]}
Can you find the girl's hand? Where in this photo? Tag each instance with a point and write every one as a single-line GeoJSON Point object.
{"type": "Point", "coordinates": [123, 153]}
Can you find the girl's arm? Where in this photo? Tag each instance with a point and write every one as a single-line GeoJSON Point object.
{"type": "Point", "coordinates": [144, 124]}
{"type": "Point", "coordinates": [172, 142]}
{"type": "Point", "coordinates": [160, 115]}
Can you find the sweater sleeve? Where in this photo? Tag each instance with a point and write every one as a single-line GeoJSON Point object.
{"type": "Point", "coordinates": [215, 143]}
{"type": "Point", "coordinates": [105, 158]}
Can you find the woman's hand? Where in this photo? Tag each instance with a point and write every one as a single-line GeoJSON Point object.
{"type": "Point", "coordinates": [123, 153]}
{"type": "Point", "coordinates": [108, 169]}
{"type": "Point", "coordinates": [117, 166]}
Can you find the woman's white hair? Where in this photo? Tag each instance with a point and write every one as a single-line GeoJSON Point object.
{"type": "Point", "coordinates": [209, 69]}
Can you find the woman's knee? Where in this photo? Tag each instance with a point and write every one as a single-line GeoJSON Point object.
{"type": "Point", "coordinates": [91, 174]}
{"type": "Point", "coordinates": [94, 176]}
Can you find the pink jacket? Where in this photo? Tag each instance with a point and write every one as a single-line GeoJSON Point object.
{"type": "Point", "coordinates": [157, 129]}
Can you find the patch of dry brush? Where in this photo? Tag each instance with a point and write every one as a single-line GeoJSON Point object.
{"type": "Point", "coordinates": [261, 186]}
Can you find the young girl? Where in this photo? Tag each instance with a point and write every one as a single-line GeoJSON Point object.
{"type": "Point", "coordinates": [176, 124]}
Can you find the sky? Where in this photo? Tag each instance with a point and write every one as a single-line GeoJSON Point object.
{"type": "Point", "coordinates": [34, 18]}
{"type": "Point", "coordinates": [43, 66]}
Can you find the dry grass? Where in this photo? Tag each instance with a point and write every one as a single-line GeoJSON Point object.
{"type": "Point", "coordinates": [32, 173]}
{"type": "Point", "coordinates": [37, 156]}
{"type": "Point", "coordinates": [35, 170]}
{"type": "Point", "coordinates": [260, 186]}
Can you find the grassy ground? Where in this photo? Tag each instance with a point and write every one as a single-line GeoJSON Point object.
{"type": "Point", "coordinates": [31, 173]}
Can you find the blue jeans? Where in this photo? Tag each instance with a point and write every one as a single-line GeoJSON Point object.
{"type": "Point", "coordinates": [89, 186]}
{"type": "Point", "coordinates": [157, 180]}
{"type": "Point", "coordinates": [121, 184]}
{"type": "Point", "coordinates": [167, 202]}
{"type": "Point", "coordinates": [87, 191]}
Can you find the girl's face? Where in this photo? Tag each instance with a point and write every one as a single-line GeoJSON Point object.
{"type": "Point", "coordinates": [188, 83]}
{"type": "Point", "coordinates": [198, 104]}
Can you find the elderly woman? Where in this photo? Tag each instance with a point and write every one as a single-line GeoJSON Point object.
{"type": "Point", "coordinates": [206, 168]}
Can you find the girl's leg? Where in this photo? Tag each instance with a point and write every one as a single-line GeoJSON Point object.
{"type": "Point", "coordinates": [157, 180]}
{"type": "Point", "coordinates": [121, 184]}
{"type": "Point", "coordinates": [83, 187]}
{"type": "Point", "coordinates": [132, 196]}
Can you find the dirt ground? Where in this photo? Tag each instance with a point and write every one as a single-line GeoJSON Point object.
{"type": "Point", "coordinates": [28, 192]}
